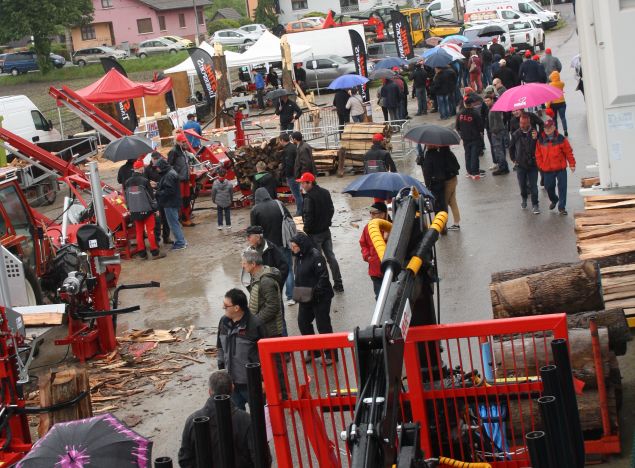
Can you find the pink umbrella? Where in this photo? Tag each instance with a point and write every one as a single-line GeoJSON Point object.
{"type": "Point", "coordinates": [528, 95]}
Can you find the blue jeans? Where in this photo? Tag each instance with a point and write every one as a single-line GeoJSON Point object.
{"type": "Point", "coordinates": [288, 285]}
{"type": "Point", "coordinates": [297, 194]}
{"type": "Point", "coordinates": [172, 214]}
{"type": "Point", "coordinates": [528, 183]}
{"type": "Point", "coordinates": [358, 118]}
{"type": "Point", "coordinates": [240, 396]}
{"type": "Point", "coordinates": [499, 149]}
{"type": "Point", "coordinates": [487, 75]}
{"type": "Point", "coordinates": [228, 218]}
{"type": "Point", "coordinates": [550, 185]}
{"type": "Point", "coordinates": [472, 150]}
{"type": "Point", "coordinates": [560, 110]}
{"type": "Point", "coordinates": [422, 100]}
{"type": "Point", "coordinates": [443, 101]}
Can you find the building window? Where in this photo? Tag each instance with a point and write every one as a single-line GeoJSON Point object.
{"type": "Point", "coordinates": [88, 32]}
{"type": "Point", "coordinates": [106, 3]}
{"type": "Point", "coordinates": [162, 23]}
{"type": "Point", "coordinates": [199, 15]}
{"type": "Point", "coordinates": [181, 20]}
{"type": "Point", "coordinates": [144, 25]}
{"type": "Point", "coordinates": [299, 4]}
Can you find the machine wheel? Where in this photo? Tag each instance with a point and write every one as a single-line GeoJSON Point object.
{"type": "Point", "coordinates": [15, 72]}
{"type": "Point", "coordinates": [33, 290]}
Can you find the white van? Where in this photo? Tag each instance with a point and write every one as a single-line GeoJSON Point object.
{"type": "Point", "coordinates": [549, 19]}
{"type": "Point", "coordinates": [24, 119]}
{"type": "Point", "coordinates": [440, 8]}
{"type": "Point", "coordinates": [506, 15]}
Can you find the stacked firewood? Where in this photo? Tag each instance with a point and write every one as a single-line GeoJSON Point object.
{"type": "Point", "coordinates": [356, 140]}
{"type": "Point", "coordinates": [246, 158]}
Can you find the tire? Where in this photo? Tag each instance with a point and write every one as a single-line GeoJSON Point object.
{"type": "Point", "coordinates": [1, 71]}
{"type": "Point", "coordinates": [247, 41]}
{"type": "Point", "coordinates": [543, 45]}
{"type": "Point", "coordinates": [142, 56]}
{"type": "Point", "coordinates": [81, 63]}
{"type": "Point", "coordinates": [33, 290]}
{"type": "Point", "coordinates": [47, 192]}
{"type": "Point", "coordinates": [173, 51]}
{"type": "Point", "coordinates": [15, 71]}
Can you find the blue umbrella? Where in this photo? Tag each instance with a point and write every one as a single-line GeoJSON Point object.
{"type": "Point", "coordinates": [348, 81]}
{"type": "Point", "coordinates": [383, 185]}
{"type": "Point", "coordinates": [438, 58]}
{"type": "Point", "coordinates": [390, 62]}
{"type": "Point", "coordinates": [455, 38]}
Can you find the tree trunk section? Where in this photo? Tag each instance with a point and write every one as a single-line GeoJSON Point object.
{"type": "Point", "coordinates": [523, 356]}
{"type": "Point", "coordinates": [613, 319]}
{"type": "Point", "coordinates": [287, 67]}
{"type": "Point", "coordinates": [507, 275]}
{"type": "Point", "coordinates": [59, 387]}
{"type": "Point", "coordinates": [223, 90]}
{"type": "Point", "coordinates": [571, 289]}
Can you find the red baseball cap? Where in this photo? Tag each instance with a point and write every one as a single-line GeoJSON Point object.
{"type": "Point", "coordinates": [548, 51]}
{"type": "Point", "coordinates": [138, 164]}
{"type": "Point", "coordinates": [377, 137]}
{"type": "Point", "coordinates": [306, 177]}
{"type": "Point", "coordinates": [536, 57]}
{"type": "Point", "coordinates": [527, 54]}
{"type": "Point", "coordinates": [180, 137]}
{"type": "Point", "coordinates": [395, 69]}
{"type": "Point", "coordinates": [549, 123]}
{"type": "Point", "coordinates": [512, 50]}
{"type": "Point", "coordinates": [494, 40]}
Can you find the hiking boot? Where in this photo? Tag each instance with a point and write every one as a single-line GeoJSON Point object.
{"type": "Point", "coordinates": [157, 254]}
{"type": "Point", "coordinates": [552, 205]}
{"type": "Point", "coordinates": [141, 254]}
{"type": "Point", "coordinates": [563, 212]}
{"type": "Point", "coordinates": [536, 210]}
{"type": "Point", "coordinates": [523, 204]}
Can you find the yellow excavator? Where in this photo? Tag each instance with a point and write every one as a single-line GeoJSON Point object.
{"type": "Point", "coordinates": [423, 25]}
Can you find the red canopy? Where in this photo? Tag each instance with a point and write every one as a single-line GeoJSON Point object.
{"type": "Point", "coordinates": [114, 87]}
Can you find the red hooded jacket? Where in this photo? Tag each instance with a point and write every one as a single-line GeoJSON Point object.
{"type": "Point", "coordinates": [555, 154]}
{"type": "Point", "coordinates": [369, 254]}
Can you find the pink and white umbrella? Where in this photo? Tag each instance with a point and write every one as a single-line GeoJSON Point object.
{"type": "Point", "coordinates": [524, 96]}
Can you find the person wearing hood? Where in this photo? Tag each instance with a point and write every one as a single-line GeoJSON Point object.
{"type": "Point", "coordinates": [553, 154]}
{"type": "Point", "coordinates": [220, 383]}
{"type": "Point", "coordinates": [390, 97]}
{"type": "Point", "coordinates": [343, 112]}
{"type": "Point", "coordinates": [223, 196]}
{"type": "Point", "coordinates": [313, 289]}
{"type": "Point", "coordinates": [522, 151]}
{"type": "Point", "coordinates": [289, 155]}
{"type": "Point", "coordinates": [266, 179]}
{"type": "Point", "coordinates": [550, 62]}
{"type": "Point", "coordinates": [559, 106]}
{"type": "Point", "coordinates": [377, 158]}
{"type": "Point", "coordinates": [169, 198]}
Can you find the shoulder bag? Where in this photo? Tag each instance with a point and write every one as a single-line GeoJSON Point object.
{"type": "Point", "coordinates": [289, 228]}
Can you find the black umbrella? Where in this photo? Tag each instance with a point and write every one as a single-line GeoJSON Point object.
{"type": "Point", "coordinates": [433, 135]}
{"type": "Point", "coordinates": [98, 441]}
{"type": "Point", "coordinates": [278, 93]}
{"type": "Point", "coordinates": [128, 147]}
{"type": "Point", "coordinates": [491, 30]}
{"type": "Point", "coordinates": [381, 73]}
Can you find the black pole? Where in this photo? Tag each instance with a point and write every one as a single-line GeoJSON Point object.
{"type": "Point", "coordinates": [202, 441]}
{"type": "Point", "coordinates": [562, 361]}
{"type": "Point", "coordinates": [538, 451]}
{"type": "Point", "coordinates": [257, 413]}
{"type": "Point", "coordinates": [163, 462]}
{"type": "Point", "coordinates": [551, 383]}
{"type": "Point", "coordinates": [556, 438]}
{"type": "Point", "coordinates": [225, 430]}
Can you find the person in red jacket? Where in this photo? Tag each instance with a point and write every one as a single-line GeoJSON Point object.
{"type": "Point", "coordinates": [553, 154]}
{"type": "Point", "coordinates": [378, 210]}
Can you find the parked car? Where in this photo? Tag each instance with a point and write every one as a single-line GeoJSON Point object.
{"type": "Point", "coordinates": [527, 35]}
{"type": "Point", "coordinates": [255, 30]}
{"type": "Point", "coordinates": [179, 40]}
{"type": "Point", "coordinates": [23, 62]}
{"type": "Point", "coordinates": [323, 69]}
{"type": "Point", "coordinates": [93, 54]}
{"type": "Point", "coordinates": [316, 20]}
{"type": "Point", "coordinates": [232, 37]}
{"type": "Point", "coordinates": [380, 50]}
{"type": "Point", "coordinates": [475, 28]}
{"type": "Point", "coordinates": [158, 46]}
{"type": "Point", "coordinates": [302, 25]}
{"type": "Point", "coordinates": [506, 15]}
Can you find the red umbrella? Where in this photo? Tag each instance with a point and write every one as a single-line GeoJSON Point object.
{"type": "Point", "coordinates": [524, 96]}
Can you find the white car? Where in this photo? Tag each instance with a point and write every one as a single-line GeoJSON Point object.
{"type": "Point", "coordinates": [255, 30]}
{"type": "Point", "coordinates": [315, 20]}
{"type": "Point", "coordinates": [232, 37]}
{"type": "Point", "coordinates": [527, 35]}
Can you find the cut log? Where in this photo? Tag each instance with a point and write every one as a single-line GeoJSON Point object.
{"type": "Point", "coordinates": [507, 275]}
{"type": "Point", "coordinates": [614, 320]}
{"type": "Point", "coordinates": [519, 357]}
{"type": "Point", "coordinates": [62, 386]}
{"type": "Point", "coordinates": [571, 289]}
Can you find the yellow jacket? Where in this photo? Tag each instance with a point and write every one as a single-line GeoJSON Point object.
{"type": "Point", "coordinates": [556, 83]}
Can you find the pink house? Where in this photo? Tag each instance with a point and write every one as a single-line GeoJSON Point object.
{"type": "Point", "coordinates": [119, 21]}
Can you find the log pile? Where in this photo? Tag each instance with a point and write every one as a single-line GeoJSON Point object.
{"type": "Point", "coordinates": [325, 161]}
{"type": "Point", "coordinates": [356, 139]}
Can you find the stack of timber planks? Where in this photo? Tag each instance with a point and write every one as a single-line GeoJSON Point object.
{"type": "Point", "coordinates": [356, 139]}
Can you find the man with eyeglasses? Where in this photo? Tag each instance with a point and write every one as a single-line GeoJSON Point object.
{"type": "Point", "coordinates": [238, 334]}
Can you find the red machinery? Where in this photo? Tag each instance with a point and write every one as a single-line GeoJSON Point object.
{"type": "Point", "coordinates": [373, 24]}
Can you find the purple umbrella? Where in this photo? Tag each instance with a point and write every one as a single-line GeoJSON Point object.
{"type": "Point", "coordinates": [92, 442]}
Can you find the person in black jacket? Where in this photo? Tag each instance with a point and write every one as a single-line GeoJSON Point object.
{"type": "Point", "coordinates": [179, 160]}
{"type": "Point", "coordinates": [300, 76]}
{"type": "Point", "coordinates": [514, 60]}
{"type": "Point", "coordinates": [532, 71]}
{"type": "Point", "coordinates": [125, 172]}
{"type": "Point", "coordinates": [470, 126]}
{"type": "Point", "coordinates": [169, 198]}
{"type": "Point", "coordinates": [317, 215]}
{"type": "Point", "coordinates": [141, 204]}
{"type": "Point", "coordinates": [506, 74]}
{"type": "Point", "coordinates": [443, 87]}
{"type": "Point", "coordinates": [486, 60]}
{"type": "Point", "coordinates": [310, 272]}
{"type": "Point", "coordinates": [289, 155]}
{"type": "Point", "coordinates": [419, 79]}
{"type": "Point", "coordinates": [377, 159]}
{"type": "Point", "coordinates": [289, 112]}
{"type": "Point", "coordinates": [496, 48]}
{"type": "Point", "coordinates": [339, 101]}
{"type": "Point", "coordinates": [220, 383]}
{"type": "Point", "coordinates": [237, 343]}
{"type": "Point", "coordinates": [162, 228]}
{"type": "Point", "coordinates": [265, 179]}
{"type": "Point", "coordinates": [522, 151]}
{"type": "Point", "coordinates": [390, 97]}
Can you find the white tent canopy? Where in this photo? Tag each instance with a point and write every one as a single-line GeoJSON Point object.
{"type": "Point", "coordinates": [265, 50]}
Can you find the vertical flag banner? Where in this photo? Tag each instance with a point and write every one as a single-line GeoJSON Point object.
{"type": "Point", "coordinates": [359, 57]}
{"type": "Point", "coordinates": [401, 33]}
{"type": "Point", "coordinates": [205, 71]}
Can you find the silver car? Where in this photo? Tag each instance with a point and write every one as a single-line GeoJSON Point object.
{"type": "Point", "coordinates": [232, 37]}
{"type": "Point", "coordinates": [158, 46]}
{"type": "Point", "coordinates": [93, 54]}
{"type": "Point", "coordinates": [255, 30]}
{"type": "Point", "coordinates": [322, 69]}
